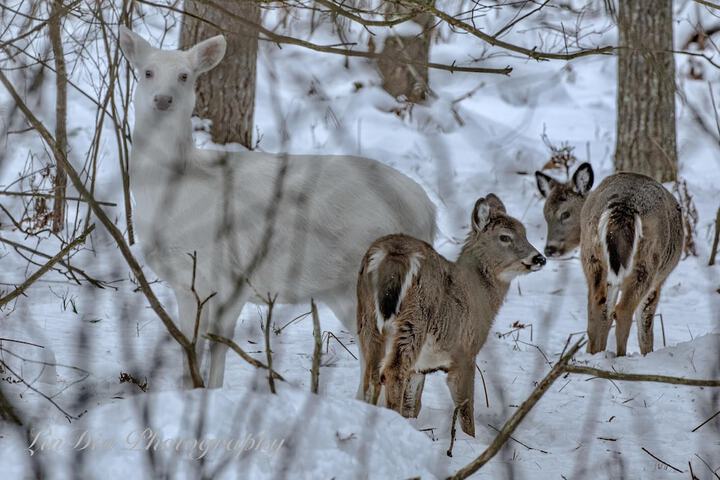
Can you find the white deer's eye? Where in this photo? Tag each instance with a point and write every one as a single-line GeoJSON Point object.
{"type": "Point", "coordinates": [183, 77]}
{"type": "Point", "coordinates": [148, 74]}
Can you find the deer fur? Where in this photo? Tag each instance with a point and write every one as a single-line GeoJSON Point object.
{"type": "Point", "coordinates": [631, 237]}
{"type": "Point", "coordinates": [292, 225]}
{"type": "Point", "coordinates": [419, 313]}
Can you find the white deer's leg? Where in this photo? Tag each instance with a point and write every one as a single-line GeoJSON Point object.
{"type": "Point", "coordinates": [224, 319]}
{"type": "Point", "coordinates": [344, 306]}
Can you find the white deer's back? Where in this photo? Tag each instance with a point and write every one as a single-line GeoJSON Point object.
{"type": "Point", "coordinates": [320, 216]}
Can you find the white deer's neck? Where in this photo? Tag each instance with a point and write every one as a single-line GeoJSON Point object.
{"type": "Point", "coordinates": [162, 144]}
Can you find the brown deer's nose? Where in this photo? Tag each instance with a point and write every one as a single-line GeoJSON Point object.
{"type": "Point", "coordinates": [539, 260]}
{"type": "Point", "coordinates": [551, 250]}
{"type": "Point", "coordinates": [163, 102]}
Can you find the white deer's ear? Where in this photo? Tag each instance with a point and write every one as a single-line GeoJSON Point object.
{"type": "Point", "coordinates": [480, 215]}
{"type": "Point", "coordinates": [133, 46]}
{"type": "Point", "coordinates": [583, 178]}
{"type": "Point", "coordinates": [495, 203]}
{"type": "Point", "coordinates": [208, 53]}
{"type": "Point", "coordinates": [545, 183]}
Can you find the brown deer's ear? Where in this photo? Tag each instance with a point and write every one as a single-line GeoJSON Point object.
{"type": "Point", "coordinates": [495, 203]}
{"type": "Point", "coordinates": [583, 179]}
{"type": "Point", "coordinates": [480, 215]}
{"type": "Point", "coordinates": [545, 183]}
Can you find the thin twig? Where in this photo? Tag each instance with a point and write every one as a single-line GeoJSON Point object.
{"type": "Point", "coordinates": [482, 377]}
{"type": "Point", "coordinates": [49, 195]}
{"type": "Point", "coordinates": [20, 290]}
{"type": "Point", "coordinates": [521, 443]}
{"type": "Point", "coordinates": [661, 461]}
{"type": "Point", "coordinates": [716, 240]}
{"type": "Point", "coordinates": [242, 353]}
{"type": "Point", "coordinates": [517, 417]}
{"type": "Point", "coordinates": [453, 427]}
{"type": "Point", "coordinates": [317, 350]}
{"type": "Point", "coordinates": [268, 353]}
{"type": "Point", "coordinates": [706, 421]}
{"type": "Point", "coordinates": [19, 246]}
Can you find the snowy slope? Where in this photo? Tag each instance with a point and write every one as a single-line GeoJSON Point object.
{"type": "Point", "coordinates": [581, 429]}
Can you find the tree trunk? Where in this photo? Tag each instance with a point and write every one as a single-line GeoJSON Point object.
{"type": "Point", "coordinates": [226, 94]}
{"type": "Point", "coordinates": [405, 79]}
{"type": "Point", "coordinates": [646, 90]}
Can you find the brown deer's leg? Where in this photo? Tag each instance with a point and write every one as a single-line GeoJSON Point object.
{"type": "Point", "coordinates": [645, 320]}
{"type": "Point", "coordinates": [407, 343]}
{"type": "Point", "coordinates": [599, 319]}
{"type": "Point", "coordinates": [635, 287]}
{"type": "Point", "coordinates": [412, 401]}
{"type": "Point", "coordinates": [372, 353]}
{"type": "Point", "coordinates": [461, 381]}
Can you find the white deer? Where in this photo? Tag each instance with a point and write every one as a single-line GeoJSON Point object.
{"type": "Point", "coordinates": [292, 225]}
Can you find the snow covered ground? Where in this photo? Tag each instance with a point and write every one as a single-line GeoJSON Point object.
{"type": "Point", "coordinates": [458, 151]}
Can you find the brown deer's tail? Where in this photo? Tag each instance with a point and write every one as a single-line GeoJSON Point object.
{"type": "Point", "coordinates": [393, 274]}
{"type": "Point", "coordinates": [620, 230]}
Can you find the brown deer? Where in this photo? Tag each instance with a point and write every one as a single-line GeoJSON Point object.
{"type": "Point", "coordinates": [420, 313]}
{"type": "Point", "coordinates": [630, 235]}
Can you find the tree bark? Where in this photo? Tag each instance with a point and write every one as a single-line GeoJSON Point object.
{"type": "Point", "coordinates": [60, 180]}
{"type": "Point", "coordinates": [226, 94]}
{"type": "Point", "coordinates": [646, 140]}
{"type": "Point", "coordinates": [401, 79]}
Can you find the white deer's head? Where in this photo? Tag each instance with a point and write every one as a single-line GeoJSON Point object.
{"type": "Point", "coordinates": [166, 78]}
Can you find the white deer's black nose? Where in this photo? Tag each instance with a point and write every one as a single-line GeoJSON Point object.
{"type": "Point", "coordinates": [163, 102]}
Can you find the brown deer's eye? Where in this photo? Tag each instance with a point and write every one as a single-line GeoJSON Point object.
{"type": "Point", "coordinates": [183, 77]}
{"type": "Point", "coordinates": [148, 74]}
{"type": "Point", "coordinates": [564, 216]}
{"type": "Point", "coordinates": [505, 238]}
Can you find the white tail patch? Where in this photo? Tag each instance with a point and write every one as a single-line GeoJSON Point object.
{"type": "Point", "coordinates": [376, 259]}
{"type": "Point", "coordinates": [612, 278]}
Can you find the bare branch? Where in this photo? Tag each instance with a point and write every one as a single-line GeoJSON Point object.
{"type": "Point", "coordinates": [637, 377]}
{"type": "Point", "coordinates": [20, 290]}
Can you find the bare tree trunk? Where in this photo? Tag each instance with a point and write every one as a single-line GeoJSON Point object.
{"type": "Point", "coordinates": [226, 94]}
{"type": "Point", "coordinates": [60, 181]}
{"type": "Point", "coordinates": [646, 90]}
{"type": "Point", "coordinates": [401, 78]}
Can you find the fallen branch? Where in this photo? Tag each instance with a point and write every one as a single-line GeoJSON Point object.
{"type": "Point", "coordinates": [45, 268]}
{"type": "Point", "coordinates": [517, 417]}
{"type": "Point", "coordinates": [639, 377]}
{"type": "Point", "coordinates": [317, 350]}
{"type": "Point", "coordinates": [242, 353]}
